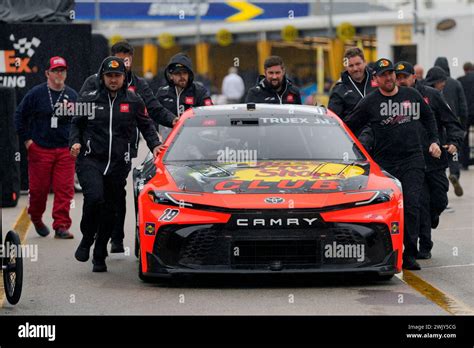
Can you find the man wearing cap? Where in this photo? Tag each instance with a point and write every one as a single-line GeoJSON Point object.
{"type": "Point", "coordinates": [394, 115]}
{"type": "Point", "coordinates": [102, 143]}
{"type": "Point", "coordinates": [434, 198]}
{"type": "Point", "coordinates": [182, 92]}
{"type": "Point", "coordinates": [355, 83]}
{"type": "Point", "coordinates": [157, 112]}
{"type": "Point", "coordinates": [45, 133]}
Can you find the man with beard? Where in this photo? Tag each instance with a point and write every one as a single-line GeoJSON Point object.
{"type": "Point", "coordinates": [434, 198]}
{"type": "Point", "coordinates": [393, 114]}
{"type": "Point", "coordinates": [158, 113]}
{"type": "Point", "coordinates": [102, 145]}
{"type": "Point", "coordinates": [182, 92]}
{"type": "Point", "coordinates": [355, 83]}
{"type": "Point", "coordinates": [274, 87]}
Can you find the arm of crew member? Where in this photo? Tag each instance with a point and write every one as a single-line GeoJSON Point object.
{"type": "Point", "coordinates": [358, 117]}
{"type": "Point", "coordinates": [429, 123]}
{"type": "Point", "coordinates": [157, 111]}
{"type": "Point", "coordinates": [454, 129]}
{"type": "Point", "coordinates": [22, 120]}
{"type": "Point", "coordinates": [148, 130]}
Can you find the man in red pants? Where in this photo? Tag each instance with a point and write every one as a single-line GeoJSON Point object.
{"type": "Point", "coordinates": [45, 132]}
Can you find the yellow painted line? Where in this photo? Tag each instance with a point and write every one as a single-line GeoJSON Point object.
{"type": "Point", "coordinates": [21, 227]}
{"type": "Point", "coordinates": [442, 299]}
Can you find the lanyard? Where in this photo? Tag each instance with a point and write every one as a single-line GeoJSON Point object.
{"type": "Point", "coordinates": [51, 99]}
{"type": "Point", "coordinates": [365, 86]}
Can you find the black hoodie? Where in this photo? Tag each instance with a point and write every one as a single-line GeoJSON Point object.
{"type": "Point", "coordinates": [263, 92]}
{"type": "Point", "coordinates": [107, 138]}
{"type": "Point", "coordinates": [192, 95]}
{"type": "Point", "coordinates": [453, 92]}
{"type": "Point", "coordinates": [345, 95]}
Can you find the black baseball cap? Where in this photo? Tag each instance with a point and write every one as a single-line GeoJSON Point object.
{"type": "Point", "coordinates": [382, 65]}
{"type": "Point", "coordinates": [405, 68]}
{"type": "Point", "coordinates": [174, 68]}
{"type": "Point", "coordinates": [113, 65]}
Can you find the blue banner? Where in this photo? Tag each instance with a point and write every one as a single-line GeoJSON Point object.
{"type": "Point", "coordinates": [187, 11]}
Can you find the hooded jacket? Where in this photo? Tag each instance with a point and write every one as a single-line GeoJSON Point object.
{"type": "Point", "coordinates": [263, 92]}
{"type": "Point", "coordinates": [453, 92]}
{"type": "Point", "coordinates": [450, 130]}
{"type": "Point", "coordinates": [345, 96]}
{"type": "Point", "coordinates": [107, 136]}
{"type": "Point", "coordinates": [192, 95]}
{"type": "Point", "coordinates": [136, 84]}
{"type": "Point", "coordinates": [467, 82]}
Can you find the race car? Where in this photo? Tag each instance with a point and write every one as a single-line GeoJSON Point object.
{"type": "Point", "coordinates": [260, 188]}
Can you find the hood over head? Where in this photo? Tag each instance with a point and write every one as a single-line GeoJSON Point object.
{"type": "Point", "coordinates": [179, 61]}
{"type": "Point", "coordinates": [442, 62]}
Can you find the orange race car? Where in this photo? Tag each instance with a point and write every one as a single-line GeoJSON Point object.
{"type": "Point", "coordinates": [262, 188]}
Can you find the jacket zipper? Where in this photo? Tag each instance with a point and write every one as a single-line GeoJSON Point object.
{"type": "Point", "coordinates": [138, 138]}
{"type": "Point", "coordinates": [281, 98]}
{"type": "Point", "coordinates": [111, 106]}
{"type": "Point", "coordinates": [127, 159]}
{"type": "Point", "coordinates": [177, 101]}
{"type": "Point", "coordinates": [88, 150]}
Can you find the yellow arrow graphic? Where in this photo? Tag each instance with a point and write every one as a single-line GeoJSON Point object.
{"type": "Point", "coordinates": [247, 11]}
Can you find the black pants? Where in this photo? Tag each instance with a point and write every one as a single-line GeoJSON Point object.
{"type": "Point", "coordinates": [118, 233]}
{"type": "Point", "coordinates": [411, 176]}
{"type": "Point", "coordinates": [466, 150]}
{"type": "Point", "coordinates": [434, 200]}
{"type": "Point", "coordinates": [454, 166]}
{"type": "Point", "coordinates": [101, 194]}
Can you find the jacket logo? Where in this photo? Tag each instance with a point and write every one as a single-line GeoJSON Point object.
{"type": "Point", "coordinates": [373, 83]}
{"type": "Point", "coordinates": [132, 88]}
{"type": "Point", "coordinates": [427, 100]}
{"type": "Point", "coordinates": [189, 100]}
{"type": "Point", "coordinates": [208, 102]}
{"type": "Point", "coordinates": [290, 98]}
{"type": "Point", "coordinates": [124, 107]}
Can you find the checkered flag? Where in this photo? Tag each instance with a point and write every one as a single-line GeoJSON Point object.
{"type": "Point", "coordinates": [24, 46]}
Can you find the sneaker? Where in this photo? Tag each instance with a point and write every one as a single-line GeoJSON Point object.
{"type": "Point", "coordinates": [99, 265]}
{"type": "Point", "coordinates": [411, 264]}
{"type": "Point", "coordinates": [423, 255]}
{"type": "Point", "coordinates": [458, 191]}
{"type": "Point", "coordinates": [41, 229]}
{"type": "Point", "coordinates": [63, 234]}
{"type": "Point", "coordinates": [116, 247]}
{"type": "Point", "coordinates": [82, 252]}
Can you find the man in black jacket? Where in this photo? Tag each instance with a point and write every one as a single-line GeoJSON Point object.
{"type": "Point", "coordinates": [467, 82]}
{"type": "Point", "coordinates": [182, 92]}
{"type": "Point", "coordinates": [157, 112]}
{"type": "Point", "coordinates": [355, 83]}
{"type": "Point", "coordinates": [274, 87]}
{"type": "Point", "coordinates": [394, 115]}
{"type": "Point", "coordinates": [102, 143]}
{"type": "Point", "coordinates": [434, 197]}
{"type": "Point", "coordinates": [454, 95]}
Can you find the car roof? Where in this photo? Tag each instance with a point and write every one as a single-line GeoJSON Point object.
{"type": "Point", "coordinates": [262, 110]}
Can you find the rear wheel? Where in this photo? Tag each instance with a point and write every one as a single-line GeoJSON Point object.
{"type": "Point", "coordinates": [12, 268]}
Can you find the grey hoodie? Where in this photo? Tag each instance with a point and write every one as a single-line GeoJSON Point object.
{"type": "Point", "coordinates": [453, 92]}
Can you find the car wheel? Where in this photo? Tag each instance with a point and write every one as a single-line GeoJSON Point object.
{"type": "Point", "coordinates": [12, 268]}
{"type": "Point", "coordinates": [143, 277]}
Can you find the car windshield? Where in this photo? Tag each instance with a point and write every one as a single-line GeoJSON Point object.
{"type": "Point", "coordinates": [243, 139]}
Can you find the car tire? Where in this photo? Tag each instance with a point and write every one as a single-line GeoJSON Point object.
{"type": "Point", "coordinates": [13, 272]}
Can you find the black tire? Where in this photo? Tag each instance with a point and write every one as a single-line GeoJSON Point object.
{"type": "Point", "coordinates": [143, 277]}
{"type": "Point", "coordinates": [13, 268]}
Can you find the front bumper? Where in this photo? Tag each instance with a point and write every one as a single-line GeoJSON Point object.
{"type": "Point", "coordinates": [214, 248]}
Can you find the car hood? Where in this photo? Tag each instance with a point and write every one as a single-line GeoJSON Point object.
{"type": "Point", "coordinates": [276, 176]}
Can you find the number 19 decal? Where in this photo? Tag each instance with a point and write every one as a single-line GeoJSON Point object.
{"type": "Point", "coordinates": [169, 215]}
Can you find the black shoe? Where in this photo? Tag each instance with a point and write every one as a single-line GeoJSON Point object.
{"type": "Point", "coordinates": [116, 247]}
{"type": "Point", "coordinates": [82, 252]}
{"type": "Point", "coordinates": [411, 265]}
{"type": "Point", "coordinates": [434, 221]}
{"type": "Point", "coordinates": [63, 234]}
{"type": "Point", "coordinates": [458, 191]}
{"type": "Point", "coordinates": [99, 265]}
{"type": "Point", "coordinates": [423, 255]}
{"type": "Point", "coordinates": [41, 229]}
